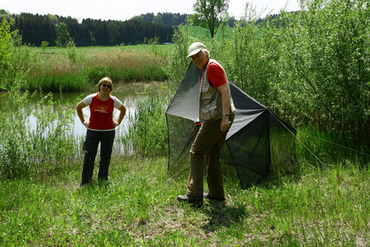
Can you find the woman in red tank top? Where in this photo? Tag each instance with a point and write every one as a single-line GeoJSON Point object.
{"type": "Point", "coordinates": [100, 129]}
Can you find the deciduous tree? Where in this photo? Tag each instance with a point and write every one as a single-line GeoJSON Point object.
{"type": "Point", "coordinates": [158, 19]}
{"type": "Point", "coordinates": [63, 34]}
{"type": "Point", "coordinates": [5, 42]}
{"type": "Point", "coordinates": [209, 13]}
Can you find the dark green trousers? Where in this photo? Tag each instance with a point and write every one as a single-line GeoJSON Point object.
{"type": "Point", "coordinates": [205, 158]}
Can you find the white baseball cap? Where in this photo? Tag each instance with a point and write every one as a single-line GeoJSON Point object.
{"type": "Point", "coordinates": [195, 48]}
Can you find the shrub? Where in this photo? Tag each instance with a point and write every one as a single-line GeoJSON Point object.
{"type": "Point", "coordinates": [147, 134]}
{"type": "Point", "coordinates": [178, 64]}
{"type": "Point", "coordinates": [327, 73]}
{"type": "Point", "coordinates": [35, 147]}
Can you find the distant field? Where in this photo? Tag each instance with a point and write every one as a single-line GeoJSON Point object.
{"type": "Point", "coordinates": [84, 49]}
{"type": "Point", "coordinates": [204, 34]}
{"type": "Point", "coordinates": [195, 31]}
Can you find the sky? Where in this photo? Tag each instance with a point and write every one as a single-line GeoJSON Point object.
{"type": "Point", "coordinates": [122, 10]}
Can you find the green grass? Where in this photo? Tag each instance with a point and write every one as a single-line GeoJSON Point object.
{"type": "Point", "coordinates": [138, 207]}
{"type": "Point", "coordinates": [73, 69]}
{"type": "Point", "coordinates": [88, 49]}
{"type": "Point", "coordinates": [203, 34]}
{"type": "Point", "coordinates": [325, 204]}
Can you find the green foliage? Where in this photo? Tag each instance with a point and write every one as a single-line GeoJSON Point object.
{"type": "Point", "coordinates": [96, 73]}
{"type": "Point", "coordinates": [36, 28]}
{"type": "Point", "coordinates": [53, 19]}
{"type": "Point", "coordinates": [178, 64]}
{"type": "Point", "coordinates": [63, 35]}
{"type": "Point", "coordinates": [72, 52]}
{"type": "Point", "coordinates": [327, 53]}
{"type": "Point", "coordinates": [207, 11]}
{"type": "Point", "coordinates": [5, 44]}
{"type": "Point", "coordinates": [157, 19]}
{"type": "Point", "coordinates": [72, 69]}
{"type": "Point", "coordinates": [175, 20]}
{"type": "Point", "coordinates": [148, 129]}
{"type": "Point", "coordinates": [33, 147]}
{"type": "Point", "coordinates": [137, 18]}
{"type": "Point", "coordinates": [13, 132]}
{"type": "Point", "coordinates": [321, 147]}
{"type": "Point", "coordinates": [56, 83]}
{"type": "Point", "coordinates": [311, 68]}
{"type": "Point", "coordinates": [250, 57]}
{"type": "Point", "coordinates": [44, 44]}
{"type": "Point", "coordinates": [138, 207]}
{"type": "Point", "coordinates": [126, 74]}
{"type": "Point", "coordinates": [170, 19]}
{"type": "Point", "coordinates": [17, 68]}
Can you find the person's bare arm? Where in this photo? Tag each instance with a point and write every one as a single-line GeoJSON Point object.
{"type": "Point", "coordinates": [224, 90]}
{"type": "Point", "coordinates": [121, 115]}
{"type": "Point", "coordinates": [80, 114]}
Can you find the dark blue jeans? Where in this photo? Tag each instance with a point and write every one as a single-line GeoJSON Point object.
{"type": "Point", "coordinates": [93, 138]}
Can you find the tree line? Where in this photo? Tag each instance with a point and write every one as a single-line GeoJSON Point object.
{"type": "Point", "coordinates": [35, 29]}
{"type": "Point", "coordinates": [54, 30]}
{"type": "Point", "coordinates": [173, 19]}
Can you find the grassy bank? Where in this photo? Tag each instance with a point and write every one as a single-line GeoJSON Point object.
{"type": "Point", "coordinates": [324, 204]}
{"type": "Point", "coordinates": [138, 207]}
{"type": "Point", "coordinates": [73, 69]}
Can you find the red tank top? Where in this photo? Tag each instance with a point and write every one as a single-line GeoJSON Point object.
{"type": "Point", "coordinates": [101, 114]}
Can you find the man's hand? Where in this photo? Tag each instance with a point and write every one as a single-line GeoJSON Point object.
{"type": "Point", "coordinates": [225, 125]}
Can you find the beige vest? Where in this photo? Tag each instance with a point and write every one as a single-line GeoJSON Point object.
{"type": "Point", "coordinates": [211, 99]}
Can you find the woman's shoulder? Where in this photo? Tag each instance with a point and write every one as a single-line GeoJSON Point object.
{"type": "Point", "coordinates": [88, 99]}
{"type": "Point", "coordinates": [92, 95]}
{"type": "Point", "coordinates": [117, 102]}
{"type": "Point", "coordinates": [114, 98]}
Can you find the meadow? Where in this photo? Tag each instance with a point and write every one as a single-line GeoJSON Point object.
{"type": "Point", "coordinates": [325, 206]}
{"type": "Point", "coordinates": [70, 69]}
{"type": "Point", "coordinates": [323, 203]}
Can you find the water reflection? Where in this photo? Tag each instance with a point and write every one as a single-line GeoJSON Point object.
{"type": "Point", "coordinates": [79, 129]}
{"type": "Point", "coordinates": [128, 94]}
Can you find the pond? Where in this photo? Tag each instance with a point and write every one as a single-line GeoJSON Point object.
{"type": "Point", "coordinates": [127, 93]}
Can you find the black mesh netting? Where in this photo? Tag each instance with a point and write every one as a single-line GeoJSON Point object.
{"type": "Point", "coordinates": [256, 143]}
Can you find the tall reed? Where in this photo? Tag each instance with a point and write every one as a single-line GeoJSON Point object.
{"type": "Point", "coordinates": [74, 70]}
{"type": "Point", "coordinates": [147, 134]}
{"type": "Point", "coordinates": [34, 141]}
{"type": "Point", "coordinates": [324, 148]}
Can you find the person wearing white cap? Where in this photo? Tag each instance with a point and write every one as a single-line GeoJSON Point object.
{"type": "Point", "coordinates": [216, 111]}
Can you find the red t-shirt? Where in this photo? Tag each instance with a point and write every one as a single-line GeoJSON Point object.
{"type": "Point", "coordinates": [216, 75]}
{"type": "Point", "coordinates": [101, 114]}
